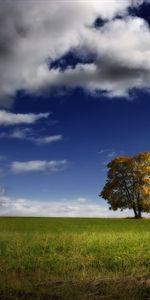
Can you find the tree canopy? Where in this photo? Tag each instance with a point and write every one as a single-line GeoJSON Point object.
{"type": "Point", "coordinates": [128, 183]}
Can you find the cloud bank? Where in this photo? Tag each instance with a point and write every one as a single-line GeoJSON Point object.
{"type": "Point", "coordinates": [80, 207]}
{"type": "Point", "coordinates": [32, 35]}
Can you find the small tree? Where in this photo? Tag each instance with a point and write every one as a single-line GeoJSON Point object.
{"type": "Point", "coordinates": [128, 183]}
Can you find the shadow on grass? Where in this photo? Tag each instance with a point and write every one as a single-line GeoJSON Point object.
{"type": "Point", "coordinates": [109, 289]}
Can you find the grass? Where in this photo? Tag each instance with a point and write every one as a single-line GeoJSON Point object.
{"type": "Point", "coordinates": [73, 258]}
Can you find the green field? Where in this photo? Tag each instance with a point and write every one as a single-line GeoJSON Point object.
{"type": "Point", "coordinates": [73, 258]}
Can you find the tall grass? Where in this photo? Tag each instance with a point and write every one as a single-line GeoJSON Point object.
{"type": "Point", "coordinates": [37, 251]}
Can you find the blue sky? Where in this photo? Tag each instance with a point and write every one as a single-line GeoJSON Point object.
{"type": "Point", "coordinates": [75, 94]}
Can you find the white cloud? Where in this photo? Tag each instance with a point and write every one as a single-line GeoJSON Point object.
{"type": "Point", "coordinates": [30, 135]}
{"type": "Point", "coordinates": [8, 118]}
{"type": "Point", "coordinates": [80, 207]}
{"type": "Point", "coordinates": [49, 139]}
{"type": "Point", "coordinates": [31, 33]}
{"type": "Point", "coordinates": [123, 62]}
{"type": "Point", "coordinates": [38, 165]}
{"type": "Point", "coordinates": [122, 49]}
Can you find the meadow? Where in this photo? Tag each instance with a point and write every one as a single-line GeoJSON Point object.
{"type": "Point", "coordinates": [74, 258]}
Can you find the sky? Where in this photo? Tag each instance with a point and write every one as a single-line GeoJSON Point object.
{"type": "Point", "coordinates": [74, 93]}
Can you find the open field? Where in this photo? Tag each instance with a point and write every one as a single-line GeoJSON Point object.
{"type": "Point", "coordinates": [73, 258]}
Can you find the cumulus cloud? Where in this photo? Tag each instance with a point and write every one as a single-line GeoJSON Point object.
{"type": "Point", "coordinates": [32, 34]}
{"type": "Point", "coordinates": [122, 62]}
{"type": "Point", "coordinates": [80, 207]}
{"type": "Point", "coordinates": [122, 47]}
{"type": "Point", "coordinates": [38, 165]}
{"type": "Point", "coordinates": [8, 118]}
{"type": "Point", "coordinates": [29, 135]}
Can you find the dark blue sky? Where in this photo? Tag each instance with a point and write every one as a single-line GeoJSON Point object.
{"type": "Point", "coordinates": [89, 125]}
{"type": "Point", "coordinates": [98, 104]}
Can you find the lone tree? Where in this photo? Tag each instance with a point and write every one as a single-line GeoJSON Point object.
{"type": "Point", "coordinates": [128, 183]}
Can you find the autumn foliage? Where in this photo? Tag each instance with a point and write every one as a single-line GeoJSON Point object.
{"type": "Point", "coordinates": [128, 183]}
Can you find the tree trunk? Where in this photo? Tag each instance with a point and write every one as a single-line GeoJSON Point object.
{"type": "Point", "coordinates": [139, 214]}
{"type": "Point", "coordinates": [139, 207]}
{"type": "Point", "coordinates": [135, 212]}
